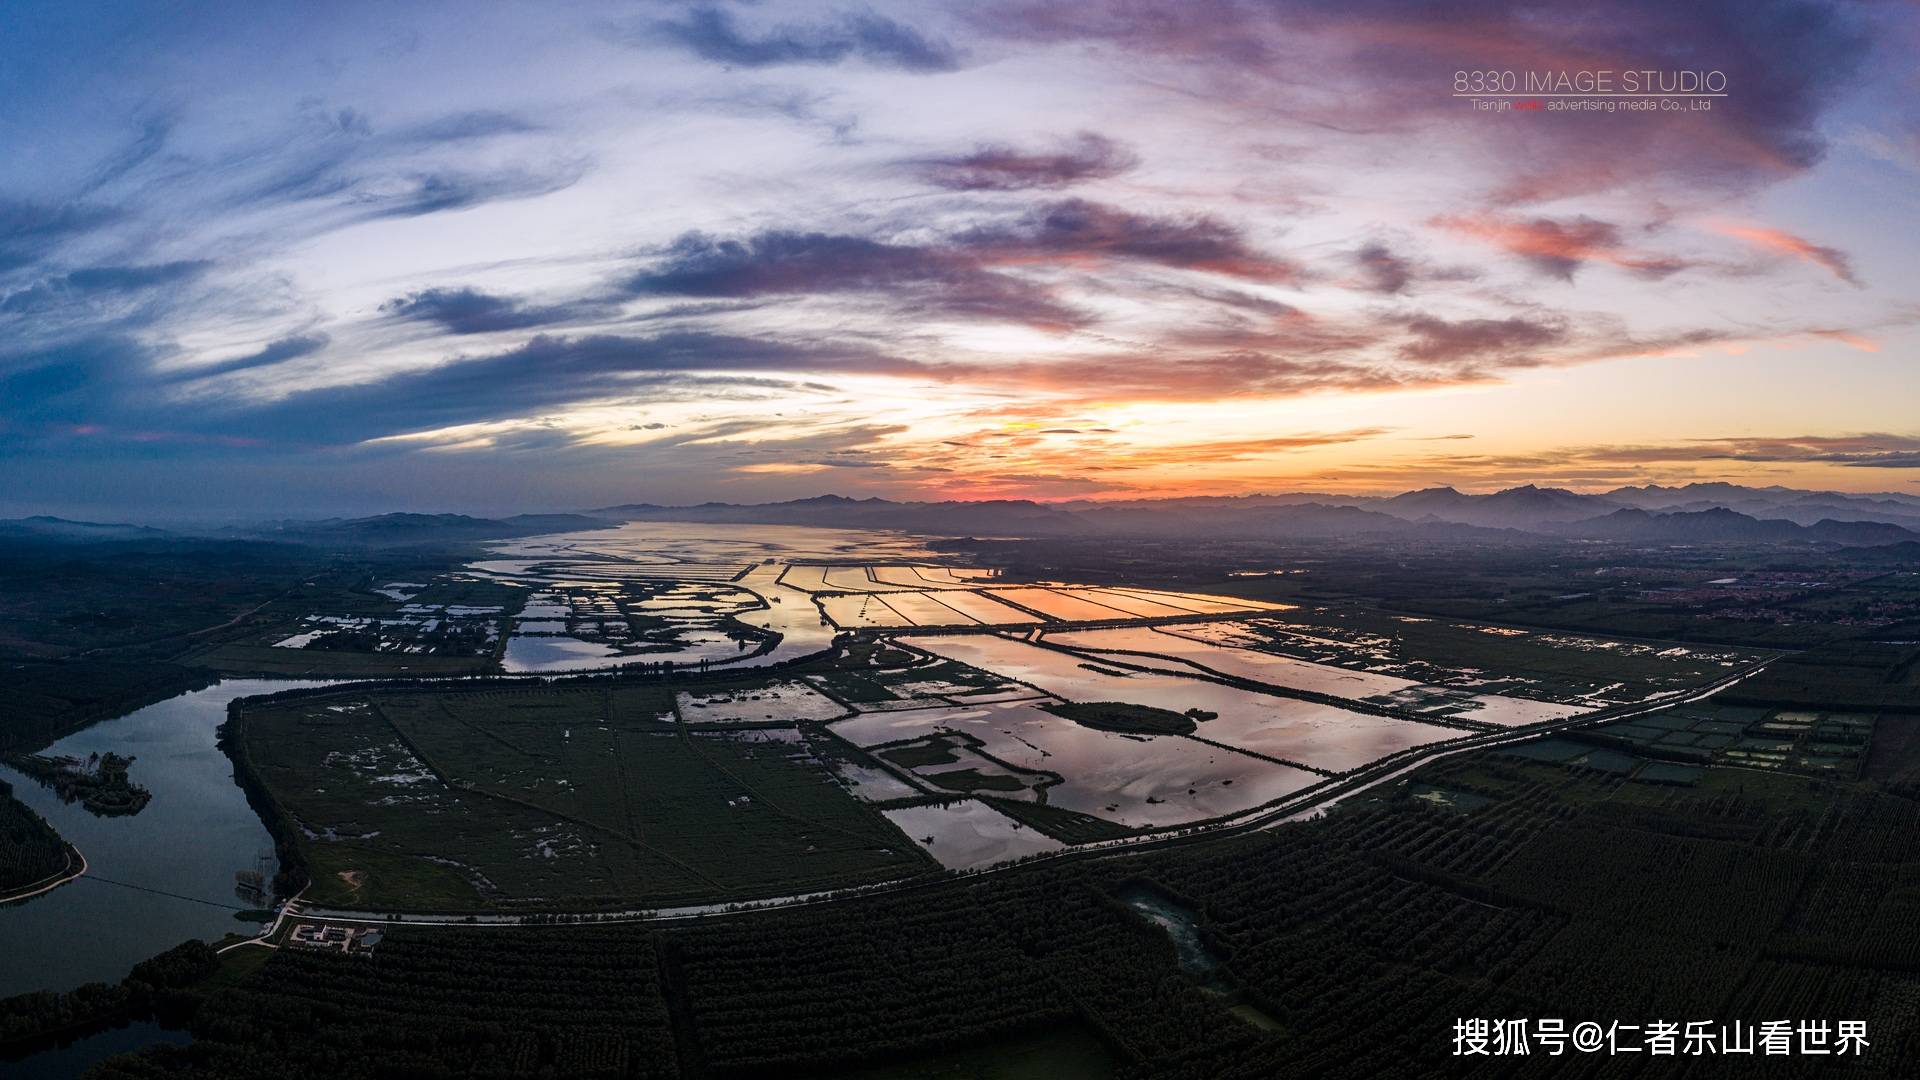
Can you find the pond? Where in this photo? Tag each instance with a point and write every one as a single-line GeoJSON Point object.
{"type": "Point", "coordinates": [156, 878]}
{"type": "Point", "coordinates": [1182, 927]}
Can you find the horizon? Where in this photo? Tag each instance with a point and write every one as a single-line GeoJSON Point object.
{"type": "Point", "coordinates": [187, 521]}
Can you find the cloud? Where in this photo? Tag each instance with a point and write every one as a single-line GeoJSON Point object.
{"type": "Point", "coordinates": [1833, 260]}
{"type": "Point", "coordinates": [465, 126]}
{"type": "Point", "coordinates": [1385, 271]}
{"type": "Point", "coordinates": [1078, 231]}
{"type": "Point", "coordinates": [276, 352]}
{"type": "Point", "coordinates": [95, 281]}
{"type": "Point", "coordinates": [1559, 247]}
{"type": "Point", "coordinates": [713, 34]}
{"type": "Point", "coordinates": [776, 263]}
{"type": "Point", "coordinates": [471, 311]}
{"type": "Point", "coordinates": [1869, 450]}
{"type": "Point", "coordinates": [32, 231]}
{"type": "Point", "coordinates": [433, 192]}
{"type": "Point", "coordinates": [546, 373]}
{"type": "Point", "coordinates": [997, 167]}
{"type": "Point", "coordinates": [1378, 70]}
{"type": "Point", "coordinates": [975, 274]}
{"type": "Point", "coordinates": [153, 135]}
{"type": "Point", "coordinates": [1512, 342]}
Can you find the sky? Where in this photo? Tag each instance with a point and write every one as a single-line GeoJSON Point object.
{"type": "Point", "coordinates": [349, 258]}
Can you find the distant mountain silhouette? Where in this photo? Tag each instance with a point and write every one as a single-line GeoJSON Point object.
{"type": "Point", "coordinates": [1514, 515]}
{"type": "Point", "coordinates": [388, 529]}
{"type": "Point", "coordinates": [1515, 508]}
{"type": "Point", "coordinates": [1703, 513]}
{"type": "Point", "coordinates": [53, 528]}
{"type": "Point", "coordinates": [1721, 525]}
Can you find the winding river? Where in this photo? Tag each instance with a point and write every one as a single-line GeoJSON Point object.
{"type": "Point", "coordinates": [156, 878]}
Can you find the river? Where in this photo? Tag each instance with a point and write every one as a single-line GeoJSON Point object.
{"type": "Point", "coordinates": [186, 844]}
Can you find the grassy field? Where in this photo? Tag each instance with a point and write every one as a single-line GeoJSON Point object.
{"type": "Point", "coordinates": [585, 797]}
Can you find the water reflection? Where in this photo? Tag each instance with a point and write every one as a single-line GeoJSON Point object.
{"type": "Point", "coordinates": [187, 844]}
{"type": "Point", "coordinates": [969, 834]}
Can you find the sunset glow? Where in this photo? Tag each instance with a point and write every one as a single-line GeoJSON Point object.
{"type": "Point", "coordinates": [529, 257]}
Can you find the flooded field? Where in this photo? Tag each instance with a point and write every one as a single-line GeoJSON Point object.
{"type": "Point", "coordinates": [1130, 780]}
{"type": "Point", "coordinates": [968, 835]}
{"type": "Point", "coordinates": [887, 596]}
{"type": "Point", "coordinates": [784, 702]}
{"type": "Point", "coordinates": [680, 590]}
{"type": "Point", "coordinates": [1320, 737]}
{"type": "Point", "coordinates": [1580, 671]}
{"type": "Point", "coordinates": [935, 717]}
{"type": "Point", "coordinates": [1189, 645]}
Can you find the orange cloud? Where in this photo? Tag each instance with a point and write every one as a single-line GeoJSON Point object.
{"type": "Point", "coordinates": [1833, 260]}
{"type": "Point", "coordinates": [1559, 247]}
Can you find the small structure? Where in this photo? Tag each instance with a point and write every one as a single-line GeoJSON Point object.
{"type": "Point", "coordinates": [308, 935]}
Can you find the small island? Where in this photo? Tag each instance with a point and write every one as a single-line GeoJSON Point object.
{"type": "Point", "coordinates": [1129, 719]}
{"type": "Point", "coordinates": [98, 781]}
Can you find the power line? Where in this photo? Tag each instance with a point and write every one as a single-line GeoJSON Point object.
{"type": "Point", "coordinates": [163, 892]}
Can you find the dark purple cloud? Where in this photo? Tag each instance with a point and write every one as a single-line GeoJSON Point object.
{"type": "Point", "coordinates": [1480, 343]}
{"type": "Point", "coordinates": [950, 280]}
{"type": "Point", "coordinates": [1385, 272]}
{"type": "Point", "coordinates": [1382, 64]}
{"type": "Point", "coordinates": [1076, 230]}
{"type": "Point", "coordinates": [997, 167]}
{"type": "Point", "coordinates": [713, 34]}
{"type": "Point", "coordinates": [471, 311]}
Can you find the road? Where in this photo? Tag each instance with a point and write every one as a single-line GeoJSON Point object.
{"type": "Point", "coordinates": [48, 884]}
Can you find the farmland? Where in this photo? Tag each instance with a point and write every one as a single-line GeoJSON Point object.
{"type": "Point", "coordinates": [918, 736]}
{"type": "Point", "coordinates": [1343, 946]}
{"type": "Point", "coordinates": [551, 798]}
{"type": "Point", "coordinates": [960, 782]}
{"type": "Point", "coordinates": [877, 763]}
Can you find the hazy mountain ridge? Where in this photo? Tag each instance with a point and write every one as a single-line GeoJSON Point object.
{"type": "Point", "coordinates": [1513, 515]}
{"type": "Point", "coordinates": [54, 528]}
{"type": "Point", "coordinates": [405, 528]}
{"type": "Point", "coordinates": [1690, 514]}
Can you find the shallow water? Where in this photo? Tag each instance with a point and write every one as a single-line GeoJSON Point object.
{"type": "Point", "coordinates": [1134, 780]}
{"type": "Point", "coordinates": [1320, 736]}
{"type": "Point", "coordinates": [965, 835]}
{"type": "Point", "coordinates": [788, 702]}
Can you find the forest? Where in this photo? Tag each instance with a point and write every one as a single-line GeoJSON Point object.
{"type": "Point", "coordinates": [29, 849]}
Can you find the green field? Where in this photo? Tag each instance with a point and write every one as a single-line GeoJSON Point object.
{"type": "Point", "coordinates": [583, 797]}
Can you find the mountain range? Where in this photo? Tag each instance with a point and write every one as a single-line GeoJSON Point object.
{"type": "Point", "coordinates": [1714, 513]}
{"type": "Point", "coordinates": [1693, 514]}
